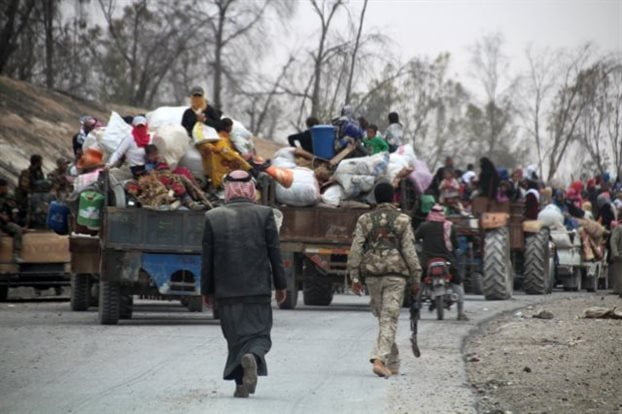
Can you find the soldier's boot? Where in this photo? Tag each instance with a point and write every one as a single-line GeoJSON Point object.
{"type": "Point", "coordinates": [380, 370]}
{"type": "Point", "coordinates": [249, 363]}
{"type": "Point", "coordinates": [240, 391]}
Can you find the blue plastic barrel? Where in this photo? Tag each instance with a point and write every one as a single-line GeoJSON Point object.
{"type": "Point", "coordinates": [57, 219]}
{"type": "Point", "coordinates": [323, 138]}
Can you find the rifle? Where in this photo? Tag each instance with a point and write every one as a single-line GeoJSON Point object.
{"type": "Point", "coordinates": [415, 306]}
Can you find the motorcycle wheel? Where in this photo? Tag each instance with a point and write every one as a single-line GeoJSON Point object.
{"type": "Point", "coordinates": [440, 307]}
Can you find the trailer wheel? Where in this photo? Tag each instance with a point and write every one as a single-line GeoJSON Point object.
{"type": "Point", "coordinates": [537, 255]}
{"type": "Point", "coordinates": [317, 289]}
{"type": "Point", "coordinates": [126, 306]}
{"type": "Point", "coordinates": [80, 292]}
{"type": "Point", "coordinates": [497, 283]}
{"type": "Point", "coordinates": [4, 293]}
{"type": "Point", "coordinates": [109, 302]}
{"type": "Point", "coordinates": [195, 303]}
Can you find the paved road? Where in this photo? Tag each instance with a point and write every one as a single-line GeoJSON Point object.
{"type": "Point", "coordinates": [167, 360]}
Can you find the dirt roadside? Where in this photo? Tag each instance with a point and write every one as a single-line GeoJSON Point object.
{"type": "Point", "coordinates": [567, 364]}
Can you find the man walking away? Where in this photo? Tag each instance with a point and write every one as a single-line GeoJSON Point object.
{"type": "Point", "coordinates": [439, 241]}
{"type": "Point", "coordinates": [383, 252]}
{"type": "Point", "coordinates": [615, 244]}
{"type": "Point", "coordinates": [241, 261]}
{"type": "Point", "coordinates": [7, 224]}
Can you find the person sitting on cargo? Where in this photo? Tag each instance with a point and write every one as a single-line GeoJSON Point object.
{"type": "Point", "coordinates": [373, 142]}
{"type": "Point", "coordinates": [87, 124]}
{"type": "Point", "coordinates": [30, 180]}
{"type": "Point", "coordinates": [488, 179]}
{"type": "Point", "coordinates": [450, 190]}
{"type": "Point", "coordinates": [201, 111]}
{"type": "Point", "coordinates": [7, 223]}
{"type": "Point", "coordinates": [61, 186]}
{"type": "Point", "coordinates": [349, 129]}
{"type": "Point", "coordinates": [133, 147]}
{"type": "Point", "coordinates": [394, 135]}
{"type": "Point", "coordinates": [304, 138]}
{"type": "Point", "coordinates": [220, 157]}
{"type": "Point", "coordinates": [439, 240]}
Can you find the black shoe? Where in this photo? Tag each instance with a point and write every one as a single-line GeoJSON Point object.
{"type": "Point", "coordinates": [250, 372]}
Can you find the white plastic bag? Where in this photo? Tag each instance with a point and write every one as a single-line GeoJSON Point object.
{"type": "Point", "coordinates": [172, 142]}
{"type": "Point", "coordinates": [93, 139]}
{"type": "Point", "coordinates": [165, 115]}
{"type": "Point", "coordinates": [285, 158]}
{"type": "Point", "coordinates": [241, 138]}
{"type": "Point", "coordinates": [203, 133]}
{"type": "Point", "coordinates": [303, 192]}
{"type": "Point", "coordinates": [333, 195]}
{"type": "Point", "coordinates": [116, 131]}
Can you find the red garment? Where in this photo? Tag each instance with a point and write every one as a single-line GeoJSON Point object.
{"type": "Point", "coordinates": [577, 186]}
{"type": "Point", "coordinates": [141, 135]}
{"type": "Point", "coordinates": [439, 217]}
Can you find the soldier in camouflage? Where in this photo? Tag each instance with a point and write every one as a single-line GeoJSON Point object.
{"type": "Point", "coordinates": [383, 253]}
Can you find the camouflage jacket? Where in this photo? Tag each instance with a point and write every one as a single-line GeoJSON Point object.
{"type": "Point", "coordinates": [384, 244]}
{"type": "Point", "coordinates": [7, 204]}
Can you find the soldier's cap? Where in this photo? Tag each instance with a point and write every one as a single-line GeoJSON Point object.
{"type": "Point", "coordinates": [197, 91]}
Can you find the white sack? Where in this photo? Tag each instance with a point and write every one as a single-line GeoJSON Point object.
{"type": "Point", "coordinates": [304, 191]}
{"type": "Point", "coordinates": [116, 131]}
{"type": "Point", "coordinates": [551, 216]}
{"type": "Point", "coordinates": [333, 195]}
{"type": "Point", "coordinates": [193, 161]}
{"type": "Point", "coordinates": [421, 177]}
{"type": "Point", "coordinates": [172, 142]}
{"type": "Point", "coordinates": [358, 175]}
{"type": "Point", "coordinates": [285, 158]}
{"type": "Point", "coordinates": [165, 115]}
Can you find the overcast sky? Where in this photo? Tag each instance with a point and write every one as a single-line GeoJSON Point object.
{"type": "Point", "coordinates": [420, 27]}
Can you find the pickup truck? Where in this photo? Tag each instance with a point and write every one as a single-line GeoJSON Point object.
{"type": "Point", "coordinates": [46, 262]}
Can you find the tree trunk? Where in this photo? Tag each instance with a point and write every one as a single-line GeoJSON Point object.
{"type": "Point", "coordinates": [218, 56]}
{"type": "Point", "coordinates": [48, 21]}
{"type": "Point", "coordinates": [354, 53]}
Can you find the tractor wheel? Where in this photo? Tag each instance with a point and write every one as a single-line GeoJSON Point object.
{"type": "Point", "coordinates": [497, 283]}
{"type": "Point", "coordinates": [317, 288]}
{"type": "Point", "coordinates": [80, 292]}
{"type": "Point", "coordinates": [537, 262]}
{"type": "Point", "coordinates": [109, 302]}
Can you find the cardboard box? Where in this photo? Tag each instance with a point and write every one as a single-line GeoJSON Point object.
{"type": "Point", "coordinates": [38, 247]}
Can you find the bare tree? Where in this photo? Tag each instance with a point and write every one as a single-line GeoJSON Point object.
{"type": "Point", "coordinates": [325, 11]}
{"type": "Point", "coordinates": [50, 9]}
{"type": "Point", "coordinates": [539, 83]}
{"type": "Point", "coordinates": [15, 19]}
{"type": "Point", "coordinates": [354, 53]}
{"type": "Point", "coordinates": [567, 107]}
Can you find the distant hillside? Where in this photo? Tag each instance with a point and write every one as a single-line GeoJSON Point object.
{"type": "Point", "coordinates": [34, 120]}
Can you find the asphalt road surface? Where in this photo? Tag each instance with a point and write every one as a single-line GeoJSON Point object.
{"type": "Point", "coordinates": [167, 360]}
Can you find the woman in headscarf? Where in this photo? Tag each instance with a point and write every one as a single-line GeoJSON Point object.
{"type": "Point", "coordinates": [201, 111]}
{"type": "Point", "coordinates": [133, 147]}
{"type": "Point", "coordinates": [241, 262]}
{"type": "Point", "coordinates": [532, 201]}
{"type": "Point", "coordinates": [606, 211]}
{"type": "Point", "coordinates": [488, 179]}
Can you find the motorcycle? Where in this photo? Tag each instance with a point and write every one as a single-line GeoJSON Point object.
{"type": "Point", "coordinates": [436, 288]}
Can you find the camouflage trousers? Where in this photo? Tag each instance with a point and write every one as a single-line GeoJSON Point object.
{"type": "Point", "coordinates": [14, 231]}
{"type": "Point", "coordinates": [387, 295]}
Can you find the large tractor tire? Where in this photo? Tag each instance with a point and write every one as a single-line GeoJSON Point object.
{"type": "Point", "coordinates": [80, 292]}
{"type": "Point", "coordinates": [109, 303]}
{"type": "Point", "coordinates": [537, 262]}
{"type": "Point", "coordinates": [498, 273]}
{"type": "Point", "coordinates": [291, 273]}
{"type": "Point", "coordinates": [126, 307]}
{"type": "Point", "coordinates": [317, 289]}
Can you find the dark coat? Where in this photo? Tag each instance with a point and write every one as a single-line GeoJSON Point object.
{"type": "Point", "coordinates": [305, 139]}
{"type": "Point", "coordinates": [241, 252]}
{"type": "Point", "coordinates": [212, 119]}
